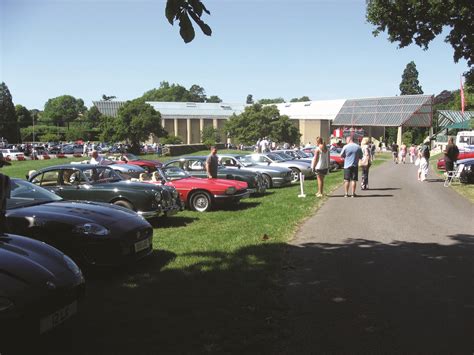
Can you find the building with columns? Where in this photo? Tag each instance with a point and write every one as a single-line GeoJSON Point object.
{"type": "Point", "coordinates": [315, 118]}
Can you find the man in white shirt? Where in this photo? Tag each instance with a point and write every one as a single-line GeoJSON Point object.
{"type": "Point", "coordinates": [96, 159]}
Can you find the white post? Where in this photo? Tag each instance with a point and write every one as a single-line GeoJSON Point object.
{"type": "Point", "coordinates": [302, 194]}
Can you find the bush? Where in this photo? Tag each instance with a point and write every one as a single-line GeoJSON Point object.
{"type": "Point", "coordinates": [171, 140]}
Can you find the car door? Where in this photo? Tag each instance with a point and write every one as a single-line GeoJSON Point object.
{"type": "Point", "coordinates": [70, 181]}
{"type": "Point", "coordinates": [49, 180]}
{"type": "Point", "coordinates": [196, 168]}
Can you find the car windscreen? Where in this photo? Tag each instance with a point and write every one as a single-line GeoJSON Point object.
{"type": "Point", "coordinates": [24, 193]}
{"type": "Point", "coordinates": [279, 156]}
{"type": "Point", "coordinates": [131, 157]}
{"type": "Point", "coordinates": [101, 174]}
{"type": "Point", "coordinates": [174, 173]}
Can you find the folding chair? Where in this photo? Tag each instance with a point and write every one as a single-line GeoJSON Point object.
{"type": "Point", "coordinates": [453, 175]}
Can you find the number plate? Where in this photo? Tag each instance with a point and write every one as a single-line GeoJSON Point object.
{"type": "Point", "coordinates": [142, 245]}
{"type": "Point", "coordinates": [58, 317]}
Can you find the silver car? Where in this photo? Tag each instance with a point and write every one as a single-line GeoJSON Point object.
{"type": "Point", "coordinates": [304, 157]}
{"type": "Point", "coordinates": [275, 176]}
{"type": "Point", "coordinates": [272, 159]}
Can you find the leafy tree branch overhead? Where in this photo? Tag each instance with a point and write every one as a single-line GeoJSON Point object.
{"type": "Point", "coordinates": [183, 11]}
{"type": "Point", "coordinates": [408, 21]}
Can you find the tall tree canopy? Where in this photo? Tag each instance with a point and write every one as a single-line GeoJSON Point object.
{"type": "Point", "coordinates": [64, 109]}
{"type": "Point", "coordinates": [134, 122]}
{"type": "Point", "coordinates": [178, 93]}
{"type": "Point", "coordinates": [410, 84]}
{"type": "Point", "coordinates": [421, 21]}
{"type": "Point", "coordinates": [23, 116]}
{"type": "Point", "coordinates": [249, 100]}
{"type": "Point", "coordinates": [301, 99]}
{"type": "Point", "coordinates": [277, 100]}
{"type": "Point", "coordinates": [183, 11]}
{"type": "Point", "coordinates": [8, 121]}
{"type": "Point", "coordinates": [214, 99]}
{"type": "Point", "coordinates": [259, 121]}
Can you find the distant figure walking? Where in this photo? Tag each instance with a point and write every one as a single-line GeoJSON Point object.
{"type": "Point", "coordinates": [424, 156]}
{"type": "Point", "coordinates": [395, 152]}
{"type": "Point", "coordinates": [351, 154]}
{"type": "Point", "coordinates": [412, 153]}
{"type": "Point", "coordinates": [212, 162]}
{"type": "Point", "coordinates": [320, 164]}
{"type": "Point", "coordinates": [403, 153]}
{"type": "Point", "coordinates": [365, 163]}
{"type": "Point", "coordinates": [451, 154]}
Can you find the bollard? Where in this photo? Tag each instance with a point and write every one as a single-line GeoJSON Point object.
{"type": "Point", "coordinates": [302, 194]}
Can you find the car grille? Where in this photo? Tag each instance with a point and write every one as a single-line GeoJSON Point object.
{"type": "Point", "coordinates": [167, 199]}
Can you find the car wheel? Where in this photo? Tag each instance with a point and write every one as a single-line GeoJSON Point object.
{"type": "Point", "coordinates": [268, 181]}
{"type": "Point", "coordinates": [200, 201]}
{"type": "Point", "coordinates": [295, 175]}
{"type": "Point", "coordinates": [124, 203]}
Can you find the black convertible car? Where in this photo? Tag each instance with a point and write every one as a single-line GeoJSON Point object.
{"type": "Point", "coordinates": [40, 288]}
{"type": "Point", "coordinates": [91, 233]}
{"type": "Point", "coordinates": [101, 183]}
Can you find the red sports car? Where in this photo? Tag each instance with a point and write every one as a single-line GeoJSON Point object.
{"type": "Point", "coordinates": [462, 155]}
{"type": "Point", "coordinates": [128, 158]}
{"type": "Point", "coordinates": [197, 193]}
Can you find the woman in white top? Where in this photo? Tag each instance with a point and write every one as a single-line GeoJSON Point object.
{"type": "Point", "coordinates": [320, 164]}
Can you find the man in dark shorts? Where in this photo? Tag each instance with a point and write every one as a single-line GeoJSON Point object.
{"type": "Point", "coordinates": [351, 154]}
{"type": "Point", "coordinates": [395, 152]}
{"type": "Point", "coordinates": [211, 164]}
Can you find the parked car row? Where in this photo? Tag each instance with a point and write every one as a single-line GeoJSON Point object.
{"type": "Point", "coordinates": [84, 216]}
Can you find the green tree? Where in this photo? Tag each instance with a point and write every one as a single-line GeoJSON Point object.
{"type": "Point", "coordinates": [64, 109]}
{"type": "Point", "coordinates": [196, 94]}
{"type": "Point", "coordinates": [168, 93]}
{"type": "Point", "coordinates": [210, 136]}
{"type": "Point", "coordinates": [277, 100]}
{"type": "Point", "coordinates": [93, 116]}
{"type": "Point", "coordinates": [108, 98]}
{"type": "Point", "coordinates": [171, 140]}
{"type": "Point", "coordinates": [214, 99]}
{"type": "Point", "coordinates": [135, 121]}
{"type": "Point", "coordinates": [249, 100]}
{"type": "Point", "coordinates": [258, 121]}
{"type": "Point", "coordinates": [183, 11]}
{"type": "Point", "coordinates": [8, 121]}
{"type": "Point", "coordinates": [421, 21]}
{"type": "Point", "coordinates": [23, 116]}
{"type": "Point", "coordinates": [410, 84]}
{"type": "Point", "coordinates": [301, 99]}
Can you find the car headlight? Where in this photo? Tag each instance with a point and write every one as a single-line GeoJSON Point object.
{"type": "Point", "coordinates": [5, 304]}
{"type": "Point", "coordinates": [158, 196]}
{"type": "Point", "coordinates": [72, 265]}
{"type": "Point", "coordinates": [230, 190]}
{"type": "Point", "coordinates": [91, 229]}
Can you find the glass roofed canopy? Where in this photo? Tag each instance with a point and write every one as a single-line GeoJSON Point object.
{"type": "Point", "coordinates": [454, 119]}
{"type": "Point", "coordinates": [406, 110]}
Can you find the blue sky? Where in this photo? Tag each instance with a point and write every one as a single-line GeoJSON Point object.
{"type": "Point", "coordinates": [322, 49]}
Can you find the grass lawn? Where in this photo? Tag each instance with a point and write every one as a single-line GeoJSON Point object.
{"type": "Point", "coordinates": [212, 285]}
{"type": "Point", "coordinates": [465, 190]}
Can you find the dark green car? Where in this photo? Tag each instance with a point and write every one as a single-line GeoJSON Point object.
{"type": "Point", "coordinates": [195, 166]}
{"type": "Point", "coordinates": [102, 184]}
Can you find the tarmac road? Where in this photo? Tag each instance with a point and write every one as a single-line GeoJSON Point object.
{"type": "Point", "coordinates": [391, 271]}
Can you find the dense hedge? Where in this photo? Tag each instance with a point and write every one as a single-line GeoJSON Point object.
{"type": "Point", "coordinates": [181, 149]}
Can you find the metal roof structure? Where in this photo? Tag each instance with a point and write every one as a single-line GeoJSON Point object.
{"type": "Point", "coordinates": [179, 110]}
{"type": "Point", "coordinates": [311, 110]}
{"type": "Point", "coordinates": [405, 110]}
{"type": "Point", "coordinates": [454, 119]}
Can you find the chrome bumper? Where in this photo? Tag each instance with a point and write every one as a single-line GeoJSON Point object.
{"type": "Point", "coordinates": [236, 196]}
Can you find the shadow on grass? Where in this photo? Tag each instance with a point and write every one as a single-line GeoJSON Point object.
{"type": "Point", "coordinates": [172, 221]}
{"type": "Point", "coordinates": [355, 297]}
{"type": "Point", "coordinates": [241, 206]}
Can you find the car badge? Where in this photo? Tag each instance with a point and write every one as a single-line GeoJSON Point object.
{"type": "Point", "coordinates": [50, 285]}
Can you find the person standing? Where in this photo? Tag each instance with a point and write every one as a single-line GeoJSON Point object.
{"type": "Point", "coordinates": [96, 159]}
{"type": "Point", "coordinates": [412, 153]}
{"type": "Point", "coordinates": [365, 163]}
{"type": "Point", "coordinates": [424, 156]}
{"type": "Point", "coordinates": [212, 162]}
{"type": "Point", "coordinates": [395, 152]}
{"type": "Point", "coordinates": [351, 154]}
{"type": "Point", "coordinates": [320, 164]}
{"type": "Point", "coordinates": [451, 154]}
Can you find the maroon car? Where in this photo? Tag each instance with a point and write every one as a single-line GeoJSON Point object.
{"type": "Point", "coordinates": [462, 155]}
{"type": "Point", "coordinates": [128, 158]}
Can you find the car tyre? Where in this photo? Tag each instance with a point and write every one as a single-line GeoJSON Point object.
{"type": "Point", "coordinates": [295, 174]}
{"type": "Point", "coordinates": [124, 203]}
{"type": "Point", "coordinates": [200, 201]}
{"type": "Point", "coordinates": [268, 181]}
